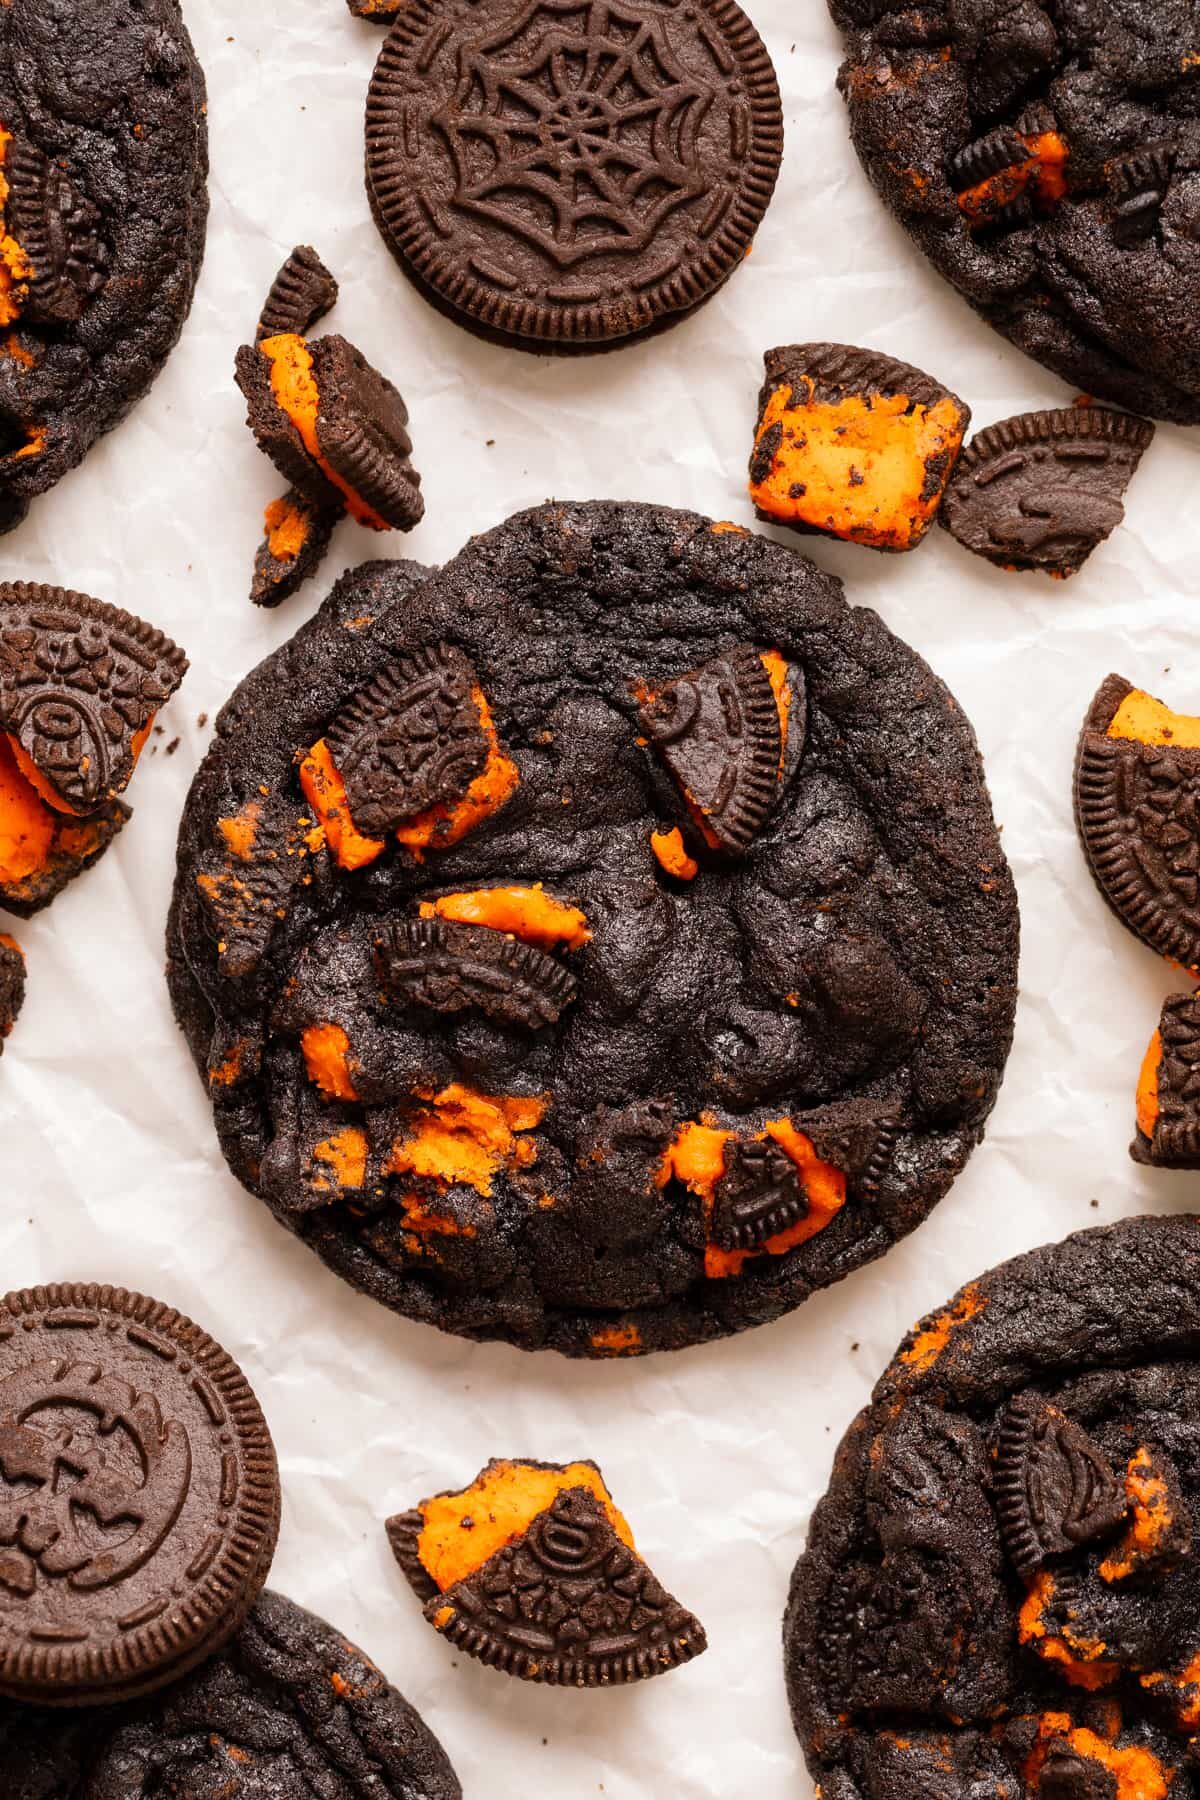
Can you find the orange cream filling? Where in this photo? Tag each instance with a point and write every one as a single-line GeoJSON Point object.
{"type": "Point", "coordinates": [325, 792]}
{"type": "Point", "coordinates": [696, 1158]}
{"type": "Point", "coordinates": [326, 1051]}
{"type": "Point", "coordinates": [668, 847]}
{"type": "Point", "coordinates": [462, 1137]}
{"type": "Point", "coordinates": [1077, 1659]}
{"type": "Point", "coordinates": [28, 827]}
{"type": "Point", "coordinates": [1150, 1518]}
{"type": "Point", "coordinates": [345, 1153]}
{"type": "Point", "coordinates": [462, 1531]}
{"type": "Point", "coordinates": [929, 1343]}
{"type": "Point", "coordinates": [1139, 1774]}
{"type": "Point", "coordinates": [1147, 1087]}
{"type": "Point", "coordinates": [1185, 1685]}
{"type": "Point", "coordinates": [1044, 175]}
{"type": "Point", "coordinates": [1147, 721]}
{"type": "Point", "coordinates": [857, 467]}
{"type": "Point", "coordinates": [442, 825]}
{"type": "Point", "coordinates": [528, 913]}
{"type": "Point", "coordinates": [288, 528]}
{"type": "Point", "coordinates": [617, 1340]}
{"type": "Point", "coordinates": [295, 389]}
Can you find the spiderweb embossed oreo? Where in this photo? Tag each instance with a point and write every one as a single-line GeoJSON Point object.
{"type": "Point", "coordinates": [565, 177]}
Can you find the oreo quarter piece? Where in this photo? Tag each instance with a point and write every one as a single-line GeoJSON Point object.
{"type": "Point", "coordinates": [853, 444]}
{"type": "Point", "coordinates": [1137, 779]}
{"type": "Point", "coordinates": [1168, 1089]}
{"type": "Point", "coordinates": [533, 1571]}
{"type": "Point", "coordinates": [1044, 159]}
{"type": "Point", "coordinates": [301, 294]}
{"type": "Point", "coordinates": [567, 181]}
{"type": "Point", "coordinates": [12, 985]}
{"type": "Point", "coordinates": [1042, 490]}
{"type": "Point", "coordinates": [105, 163]}
{"type": "Point", "coordinates": [286, 1709]}
{"type": "Point", "coordinates": [469, 1036]}
{"type": "Point", "coordinates": [139, 1497]}
{"type": "Point", "coordinates": [298, 533]}
{"type": "Point", "coordinates": [1005, 1558]}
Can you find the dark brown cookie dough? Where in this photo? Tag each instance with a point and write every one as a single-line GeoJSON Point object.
{"type": "Point", "coordinates": [533, 1571]}
{"type": "Point", "coordinates": [12, 985]}
{"type": "Point", "coordinates": [1046, 158]}
{"type": "Point", "coordinates": [550, 929]}
{"type": "Point", "coordinates": [103, 209]}
{"type": "Point", "coordinates": [999, 1594]}
{"type": "Point", "coordinates": [139, 1497]}
{"type": "Point", "coordinates": [568, 179]}
{"type": "Point", "coordinates": [287, 1711]}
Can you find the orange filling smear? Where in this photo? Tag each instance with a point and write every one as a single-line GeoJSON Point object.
{"type": "Point", "coordinates": [929, 1343]}
{"type": "Point", "coordinates": [696, 1157]}
{"type": "Point", "coordinates": [226, 1072]}
{"type": "Point", "coordinates": [15, 267]}
{"type": "Point", "coordinates": [442, 825]}
{"type": "Point", "coordinates": [1139, 1774]}
{"type": "Point", "coordinates": [346, 1154]}
{"type": "Point", "coordinates": [461, 1531]}
{"type": "Point", "coordinates": [1186, 1683]}
{"type": "Point", "coordinates": [617, 1340]}
{"type": "Point", "coordinates": [1078, 1660]}
{"type": "Point", "coordinates": [669, 848]}
{"type": "Point", "coordinates": [777, 670]}
{"type": "Point", "coordinates": [1151, 1519]}
{"type": "Point", "coordinates": [465, 1137]}
{"type": "Point", "coordinates": [295, 389]}
{"type": "Point", "coordinates": [288, 527]}
{"type": "Point", "coordinates": [326, 1051]}
{"type": "Point", "coordinates": [10, 943]}
{"type": "Point", "coordinates": [325, 792]}
{"type": "Point", "coordinates": [424, 1221]}
{"type": "Point", "coordinates": [722, 527]}
{"type": "Point", "coordinates": [28, 827]}
{"type": "Point", "coordinates": [1147, 1087]}
{"type": "Point", "coordinates": [33, 446]}
{"type": "Point", "coordinates": [528, 913]}
{"type": "Point", "coordinates": [1141, 717]}
{"type": "Point", "coordinates": [1044, 174]}
{"type": "Point", "coordinates": [858, 468]}
{"type": "Point", "coordinates": [241, 830]}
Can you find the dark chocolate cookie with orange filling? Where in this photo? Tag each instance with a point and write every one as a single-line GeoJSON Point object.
{"type": "Point", "coordinates": [601, 943]}
{"type": "Point", "coordinates": [335, 427]}
{"type": "Point", "coordinates": [287, 1710]}
{"type": "Point", "coordinates": [1046, 158]}
{"type": "Point", "coordinates": [1168, 1089]}
{"type": "Point", "coordinates": [80, 685]}
{"type": "Point", "coordinates": [1001, 1589]}
{"type": "Point", "coordinates": [12, 985]}
{"type": "Point", "coordinates": [103, 210]}
{"type": "Point", "coordinates": [533, 1571]}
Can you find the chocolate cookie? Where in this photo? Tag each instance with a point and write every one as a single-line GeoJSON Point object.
{"type": "Point", "coordinates": [80, 685]}
{"type": "Point", "coordinates": [103, 209]}
{"type": "Point", "coordinates": [853, 444]}
{"type": "Point", "coordinates": [565, 179]}
{"type": "Point", "coordinates": [1046, 158]}
{"type": "Point", "coordinates": [288, 1710]}
{"type": "Point", "coordinates": [1137, 781]}
{"type": "Point", "coordinates": [1000, 1590]}
{"type": "Point", "coordinates": [139, 1497]}
{"type": "Point", "coordinates": [551, 929]}
{"type": "Point", "coordinates": [533, 1571]}
{"type": "Point", "coordinates": [1042, 490]}
{"type": "Point", "coordinates": [12, 985]}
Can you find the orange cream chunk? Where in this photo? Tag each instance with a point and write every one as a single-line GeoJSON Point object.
{"type": "Point", "coordinates": [346, 1154]}
{"type": "Point", "coordinates": [294, 385]}
{"type": "Point", "coordinates": [325, 792]}
{"type": "Point", "coordinates": [528, 913]}
{"type": "Point", "coordinates": [1077, 1659]}
{"type": "Point", "coordinates": [617, 1340]}
{"type": "Point", "coordinates": [668, 847]}
{"type": "Point", "coordinates": [326, 1050]}
{"type": "Point", "coordinates": [241, 829]}
{"type": "Point", "coordinates": [460, 1137]}
{"type": "Point", "coordinates": [777, 670]}
{"type": "Point", "coordinates": [1150, 1520]}
{"type": "Point", "coordinates": [932, 1339]}
{"type": "Point", "coordinates": [869, 469]}
{"type": "Point", "coordinates": [288, 527]}
{"type": "Point", "coordinates": [1147, 721]}
{"type": "Point", "coordinates": [462, 1531]}
{"type": "Point", "coordinates": [1138, 1772]}
{"type": "Point", "coordinates": [442, 825]}
{"type": "Point", "coordinates": [28, 827]}
{"type": "Point", "coordinates": [1185, 1686]}
{"type": "Point", "coordinates": [1043, 176]}
{"type": "Point", "coordinates": [1147, 1087]}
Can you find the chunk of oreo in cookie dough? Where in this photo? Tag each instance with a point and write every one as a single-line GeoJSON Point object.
{"type": "Point", "coordinates": [81, 683]}
{"type": "Point", "coordinates": [1042, 490]}
{"type": "Point", "coordinates": [103, 211]}
{"type": "Point", "coordinates": [533, 1571]}
{"type": "Point", "coordinates": [12, 985]}
{"type": "Point", "coordinates": [853, 444]}
{"type": "Point", "coordinates": [288, 1709]}
{"type": "Point", "coordinates": [1000, 1589]}
{"type": "Point", "coordinates": [330, 423]}
{"type": "Point", "coordinates": [1046, 159]}
{"type": "Point", "coordinates": [600, 944]}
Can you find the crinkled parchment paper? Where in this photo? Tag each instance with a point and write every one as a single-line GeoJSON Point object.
{"type": "Point", "coordinates": [109, 1166]}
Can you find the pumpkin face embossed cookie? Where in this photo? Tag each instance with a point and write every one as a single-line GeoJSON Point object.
{"type": "Point", "coordinates": [103, 209]}
{"type": "Point", "coordinates": [1006, 1558]}
{"type": "Point", "coordinates": [599, 944]}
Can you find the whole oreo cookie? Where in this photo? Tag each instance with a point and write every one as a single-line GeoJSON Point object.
{"type": "Point", "coordinates": [599, 944]}
{"type": "Point", "coordinates": [287, 1710]}
{"type": "Point", "coordinates": [139, 1497]}
{"type": "Point", "coordinates": [104, 159]}
{"type": "Point", "coordinates": [1046, 158]}
{"type": "Point", "coordinates": [1000, 1590]}
{"type": "Point", "coordinates": [568, 178]}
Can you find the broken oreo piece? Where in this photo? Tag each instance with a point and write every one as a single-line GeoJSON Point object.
{"type": "Point", "coordinates": [454, 968]}
{"type": "Point", "coordinates": [299, 531]}
{"type": "Point", "coordinates": [42, 849]}
{"type": "Point", "coordinates": [1042, 490]}
{"type": "Point", "coordinates": [12, 985]}
{"type": "Point", "coordinates": [759, 1195]}
{"type": "Point", "coordinates": [1137, 786]}
{"type": "Point", "coordinates": [1055, 1488]}
{"type": "Point", "coordinates": [301, 294]}
{"type": "Point", "coordinates": [1168, 1089]}
{"type": "Point", "coordinates": [852, 444]}
{"type": "Point", "coordinates": [1139, 186]}
{"type": "Point", "coordinates": [533, 1571]}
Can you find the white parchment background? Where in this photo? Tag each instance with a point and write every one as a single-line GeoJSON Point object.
{"type": "Point", "coordinates": [108, 1165]}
